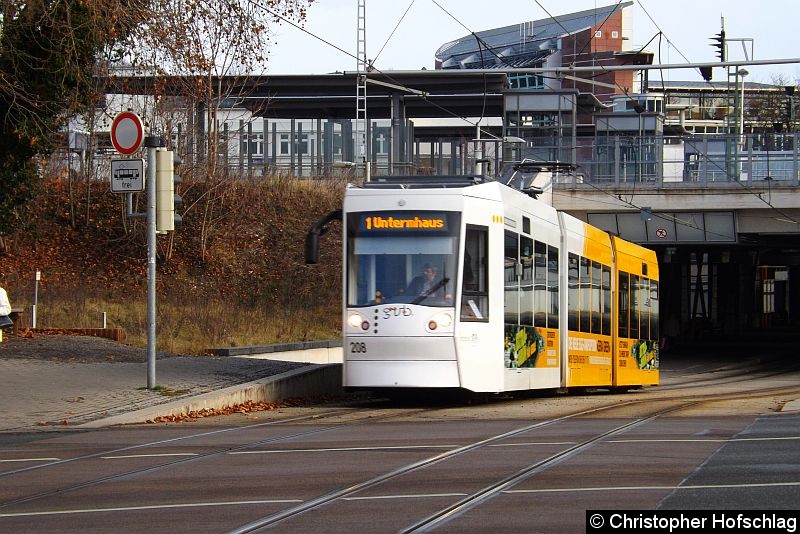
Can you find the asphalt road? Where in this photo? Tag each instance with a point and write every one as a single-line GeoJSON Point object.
{"type": "Point", "coordinates": [386, 467]}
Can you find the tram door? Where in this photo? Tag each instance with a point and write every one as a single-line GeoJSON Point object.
{"type": "Point", "coordinates": [636, 318]}
{"type": "Point", "coordinates": [475, 283]}
{"type": "Point", "coordinates": [772, 284]}
{"type": "Point", "coordinates": [530, 322]}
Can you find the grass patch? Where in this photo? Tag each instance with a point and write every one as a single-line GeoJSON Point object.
{"type": "Point", "coordinates": [168, 392]}
{"type": "Point", "coordinates": [192, 328]}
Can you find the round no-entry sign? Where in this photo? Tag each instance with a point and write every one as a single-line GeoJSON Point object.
{"type": "Point", "coordinates": [127, 132]}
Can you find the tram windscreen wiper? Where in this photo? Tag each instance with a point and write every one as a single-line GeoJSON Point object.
{"type": "Point", "coordinates": [434, 288]}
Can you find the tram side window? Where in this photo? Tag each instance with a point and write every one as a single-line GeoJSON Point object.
{"type": "Point", "coordinates": [552, 286]}
{"type": "Point", "coordinates": [573, 304]}
{"type": "Point", "coordinates": [511, 278]}
{"type": "Point", "coordinates": [636, 305]}
{"type": "Point", "coordinates": [654, 310]}
{"type": "Point", "coordinates": [540, 284]}
{"type": "Point", "coordinates": [644, 311]}
{"type": "Point", "coordinates": [596, 298]}
{"type": "Point", "coordinates": [526, 284]}
{"type": "Point", "coordinates": [586, 295]}
{"type": "Point", "coordinates": [606, 288]}
{"type": "Point", "coordinates": [583, 295]}
{"type": "Point", "coordinates": [624, 304]}
{"type": "Point", "coordinates": [475, 294]}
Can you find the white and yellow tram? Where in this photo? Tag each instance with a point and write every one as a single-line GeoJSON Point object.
{"type": "Point", "coordinates": [518, 296]}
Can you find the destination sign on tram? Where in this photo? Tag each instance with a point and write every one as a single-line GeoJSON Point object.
{"type": "Point", "coordinates": [402, 222]}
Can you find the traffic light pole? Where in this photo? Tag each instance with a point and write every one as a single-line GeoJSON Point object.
{"type": "Point", "coordinates": [151, 143]}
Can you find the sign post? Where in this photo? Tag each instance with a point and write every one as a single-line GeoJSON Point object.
{"type": "Point", "coordinates": [152, 142]}
{"type": "Point", "coordinates": [35, 297]}
{"type": "Point", "coordinates": [127, 176]}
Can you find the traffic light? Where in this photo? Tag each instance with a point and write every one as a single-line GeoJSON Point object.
{"type": "Point", "coordinates": [720, 44]}
{"type": "Point", "coordinates": [790, 90]}
{"type": "Point", "coordinates": [177, 200]}
{"type": "Point", "coordinates": [166, 199]}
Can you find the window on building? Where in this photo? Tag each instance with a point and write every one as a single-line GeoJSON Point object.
{"type": "Point", "coordinates": [253, 144]}
{"type": "Point", "coordinates": [302, 144]}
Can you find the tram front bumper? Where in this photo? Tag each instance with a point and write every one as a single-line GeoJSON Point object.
{"type": "Point", "coordinates": [428, 362]}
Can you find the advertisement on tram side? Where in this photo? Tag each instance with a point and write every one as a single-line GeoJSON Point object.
{"type": "Point", "coordinates": [529, 346]}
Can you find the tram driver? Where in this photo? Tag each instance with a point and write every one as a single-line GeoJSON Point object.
{"type": "Point", "coordinates": [422, 284]}
{"type": "Point", "coordinates": [429, 283]}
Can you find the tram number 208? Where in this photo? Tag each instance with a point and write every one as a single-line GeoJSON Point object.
{"type": "Point", "coordinates": [358, 347]}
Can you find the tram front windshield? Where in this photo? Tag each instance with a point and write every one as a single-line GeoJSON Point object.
{"type": "Point", "coordinates": [402, 257]}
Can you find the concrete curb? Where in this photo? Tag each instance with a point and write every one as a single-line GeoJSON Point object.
{"type": "Point", "coordinates": [791, 406]}
{"type": "Point", "coordinates": [278, 347]}
{"type": "Point", "coordinates": [311, 381]}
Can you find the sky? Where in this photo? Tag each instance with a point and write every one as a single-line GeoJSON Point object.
{"type": "Point", "coordinates": [410, 43]}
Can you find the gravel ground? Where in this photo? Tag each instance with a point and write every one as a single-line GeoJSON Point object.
{"type": "Point", "coordinates": [72, 348]}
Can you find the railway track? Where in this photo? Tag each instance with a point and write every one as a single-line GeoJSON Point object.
{"type": "Point", "coordinates": [632, 411]}
{"type": "Point", "coordinates": [673, 404]}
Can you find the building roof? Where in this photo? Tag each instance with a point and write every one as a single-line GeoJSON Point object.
{"type": "Point", "coordinates": [521, 39]}
{"type": "Point", "coordinates": [656, 86]}
{"type": "Point", "coordinates": [333, 96]}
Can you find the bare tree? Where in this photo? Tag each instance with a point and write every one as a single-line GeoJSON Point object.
{"type": "Point", "coordinates": [206, 49]}
{"type": "Point", "coordinates": [773, 111]}
{"type": "Point", "coordinates": [47, 64]}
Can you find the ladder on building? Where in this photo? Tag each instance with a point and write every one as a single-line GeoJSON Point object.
{"type": "Point", "coordinates": [362, 66]}
{"type": "Point", "coordinates": [732, 126]}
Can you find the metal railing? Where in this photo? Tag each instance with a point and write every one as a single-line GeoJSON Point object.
{"type": "Point", "coordinates": [658, 161]}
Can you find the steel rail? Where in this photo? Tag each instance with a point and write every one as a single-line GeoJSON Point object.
{"type": "Point", "coordinates": [303, 507]}
{"type": "Point", "coordinates": [211, 454]}
{"type": "Point", "coordinates": [477, 498]}
{"type": "Point", "coordinates": [306, 506]}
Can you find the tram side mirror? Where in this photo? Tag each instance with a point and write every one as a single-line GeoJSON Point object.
{"type": "Point", "coordinates": [317, 229]}
{"type": "Point", "coordinates": [312, 248]}
{"type": "Point", "coordinates": [533, 191]}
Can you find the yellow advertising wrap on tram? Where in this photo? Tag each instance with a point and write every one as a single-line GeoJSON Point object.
{"type": "Point", "coordinates": [530, 347]}
{"type": "Point", "coordinates": [590, 361]}
{"type": "Point", "coordinates": [589, 340]}
{"type": "Point", "coordinates": [636, 318]}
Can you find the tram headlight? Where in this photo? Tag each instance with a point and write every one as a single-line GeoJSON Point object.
{"type": "Point", "coordinates": [440, 320]}
{"type": "Point", "coordinates": [356, 320]}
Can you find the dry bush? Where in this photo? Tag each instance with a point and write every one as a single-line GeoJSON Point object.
{"type": "Point", "coordinates": [251, 287]}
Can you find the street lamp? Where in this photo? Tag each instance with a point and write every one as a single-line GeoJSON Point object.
{"type": "Point", "coordinates": [741, 73]}
{"type": "Point", "coordinates": [739, 143]}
